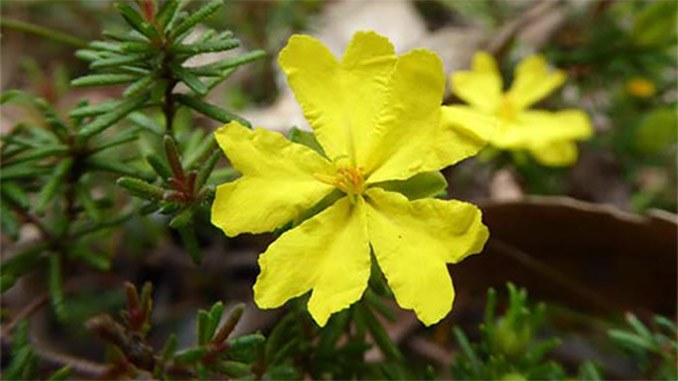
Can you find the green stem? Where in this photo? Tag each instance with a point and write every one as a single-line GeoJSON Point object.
{"type": "Point", "coordinates": [42, 31]}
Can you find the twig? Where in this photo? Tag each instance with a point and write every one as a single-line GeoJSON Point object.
{"type": "Point", "coordinates": [42, 31]}
{"type": "Point", "coordinates": [550, 273]}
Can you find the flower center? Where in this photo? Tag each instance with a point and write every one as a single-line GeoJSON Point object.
{"type": "Point", "coordinates": [507, 110]}
{"type": "Point", "coordinates": [348, 179]}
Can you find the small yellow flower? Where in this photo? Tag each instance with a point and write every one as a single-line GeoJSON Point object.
{"type": "Point", "coordinates": [378, 117]}
{"type": "Point", "coordinates": [549, 136]}
{"type": "Point", "coordinates": [641, 88]}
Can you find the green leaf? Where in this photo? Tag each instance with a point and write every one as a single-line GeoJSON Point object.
{"type": "Point", "coordinates": [141, 189]}
{"type": "Point", "coordinates": [125, 137]}
{"type": "Point", "coordinates": [108, 119]}
{"type": "Point", "coordinates": [173, 157]}
{"type": "Point", "coordinates": [103, 80]}
{"type": "Point", "coordinates": [421, 185]}
{"type": "Point", "coordinates": [112, 47]}
{"type": "Point", "coordinates": [209, 110]}
{"type": "Point", "coordinates": [234, 369]}
{"type": "Point", "coordinates": [190, 356]}
{"type": "Point", "coordinates": [56, 287]}
{"type": "Point", "coordinates": [306, 138]}
{"type": "Point", "coordinates": [217, 68]}
{"type": "Point", "coordinates": [197, 17]}
{"type": "Point", "coordinates": [61, 374]}
{"type": "Point", "coordinates": [205, 47]}
{"type": "Point", "coordinates": [124, 37]}
{"type": "Point", "coordinates": [147, 123]}
{"type": "Point", "coordinates": [194, 155]}
{"type": "Point", "coordinates": [118, 60]}
{"type": "Point", "coordinates": [10, 226]}
{"type": "Point", "coordinates": [167, 13]}
{"type": "Point", "coordinates": [15, 194]}
{"type": "Point", "coordinates": [465, 346]}
{"type": "Point", "coordinates": [16, 172]}
{"type": "Point", "coordinates": [109, 165]}
{"type": "Point", "coordinates": [182, 219]}
{"type": "Point", "coordinates": [216, 312]}
{"type": "Point", "coordinates": [207, 168]}
{"type": "Point", "coordinates": [244, 348]}
{"type": "Point", "coordinates": [136, 47]}
{"type": "Point", "coordinates": [379, 334]}
{"type": "Point", "coordinates": [229, 325]}
{"type": "Point", "coordinates": [139, 86]}
{"type": "Point", "coordinates": [159, 166]}
{"type": "Point", "coordinates": [203, 323]}
{"type": "Point", "coordinates": [85, 198]}
{"type": "Point", "coordinates": [88, 55]}
{"type": "Point", "coordinates": [190, 242]}
{"type": "Point", "coordinates": [136, 21]}
{"type": "Point", "coordinates": [49, 190]}
{"type": "Point", "coordinates": [189, 79]}
{"type": "Point", "coordinates": [94, 110]}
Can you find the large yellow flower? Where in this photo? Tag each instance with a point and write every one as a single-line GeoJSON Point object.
{"type": "Point", "coordinates": [549, 136]}
{"type": "Point", "coordinates": [378, 117]}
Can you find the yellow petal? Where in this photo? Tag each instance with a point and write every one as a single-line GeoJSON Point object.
{"type": "Point", "coordinates": [537, 128]}
{"type": "Point", "coordinates": [556, 154]}
{"type": "Point", "coordinates": [482, 86]}
{"type": "Point", "coordinates": [341, 100]}
{"type": "Point", "coordinates": [328, 253]}
{"type": "Point", "coordinates": [278, 180]}
{"type": "Point", "coordinates": [407, 137]}
{"type": "Point", "coordinates": [465, 131]}
{"type": "Point", "coordinates": [534, 81]}
{"type": "Point", "coordinates": [414, 240]}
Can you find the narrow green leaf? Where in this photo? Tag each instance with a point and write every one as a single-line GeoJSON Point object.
{"type": "Point", "coordinates": [56, 287]}
{"type": "Point", "coordinates": [207, 168]}
{"type": "Point", "coordinates": [167, 13]}
{"type": "Point", "coordinates": [103, 80]}
{"type": "Point", "coordinates": [109, 165]}
{"type": "Point", "coordinates": [94, 110]}
{"type": "Point", "coordinates": [159, 166]}
{"type": "Point", "coordinates": [118, 60]}
{"type": "Point", "coordinates": [219, 66]}
{"type": "Point", "coordinates": [197, 17]}
{"type": "Point", "coordinates": [209, 110]}
{"type": "Point", "coordinates": [88, 55]}
{"type": "Point", "coordinates": [306, 138]}
{"type": "Point", "coordinates": [421, 185]}
{"type": "Point", "coordinates": [147, 123]}
{"type": "Point", "coordinates": [170, 347]}
{"type": "Point", "coordinates": [51, 118]}
{"type": "Point", "coordinates": [24, 261]}
{"type": "Point", "coordinates": [112, 47]}
{"type": "Point", "coordinates": [189, 79]}
{"type": "Point", "coordinates": [197, 154]}
{"type": "Point", "coordinates": [229, 325]}
{"type": "Point", "coordinates": [173, 157]}
{"type": "Point", "coordinates": [330, 335]}
{"type": "Point", "coordinates": [6, 282]}
{"type": "Point", "coordinates": [12, 95]}
{"type": "Point", "coordinates": [136, 47]}
{"type": "Point", "coordinates": [378, 304]}
{"type": "Point", "coordinates": [124, 37]}
{"type": "Point", "coordinates": [15, 194]}
{"type": "Point", "coordinates": [202, 325]}
{"type": "Point", "coordinates": [139, 86]}
{"type": "Point", "coordinates": [190, 356]}
{"type": "Point", "coordinates": [61, 374]}
{"type": "Point", "coordinates": [49, 190]}
{"type": "Point", "coordinates": [379, 334]}
{"type": "Point", "coordinates": [466, 348]}
{"type": "Point", "coordinates": [234, 369]}
{"type": "Point", "coordinates": [638, 326]}
{"type": "Point", "coordinates": [140, 188]}
{"type": "Point", "coordinates": [85, 198]}
{"type": "Point", "coordinates": [215, 313]}
{"type": "Point", "coordinates": [184, 218]}
{"type": "Point", "coordinates": [136, 21]}
{"type": "Point", "coordinates": [10, 226]}
{"type": "Point", "coordinates": [191, 243]}
{"type": "Point", "coordinates": [108, 119]}
{"type": "Point", "coordinates": [125, 137]}
{"type": "Point", "coordinates": [206, 47]}
{"type": "Point", "coordinates": [16, 172]}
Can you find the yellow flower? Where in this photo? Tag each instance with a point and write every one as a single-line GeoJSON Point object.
{"type": "Point", "coordinates": [378, 117]}
{"type": "Point", "coordinates": [549, 136]}
{"type": "Point", "coordinates": [641, 88]}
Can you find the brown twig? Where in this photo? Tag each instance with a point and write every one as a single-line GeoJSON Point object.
{"type": "Point", "coordinates": [550, 273]}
